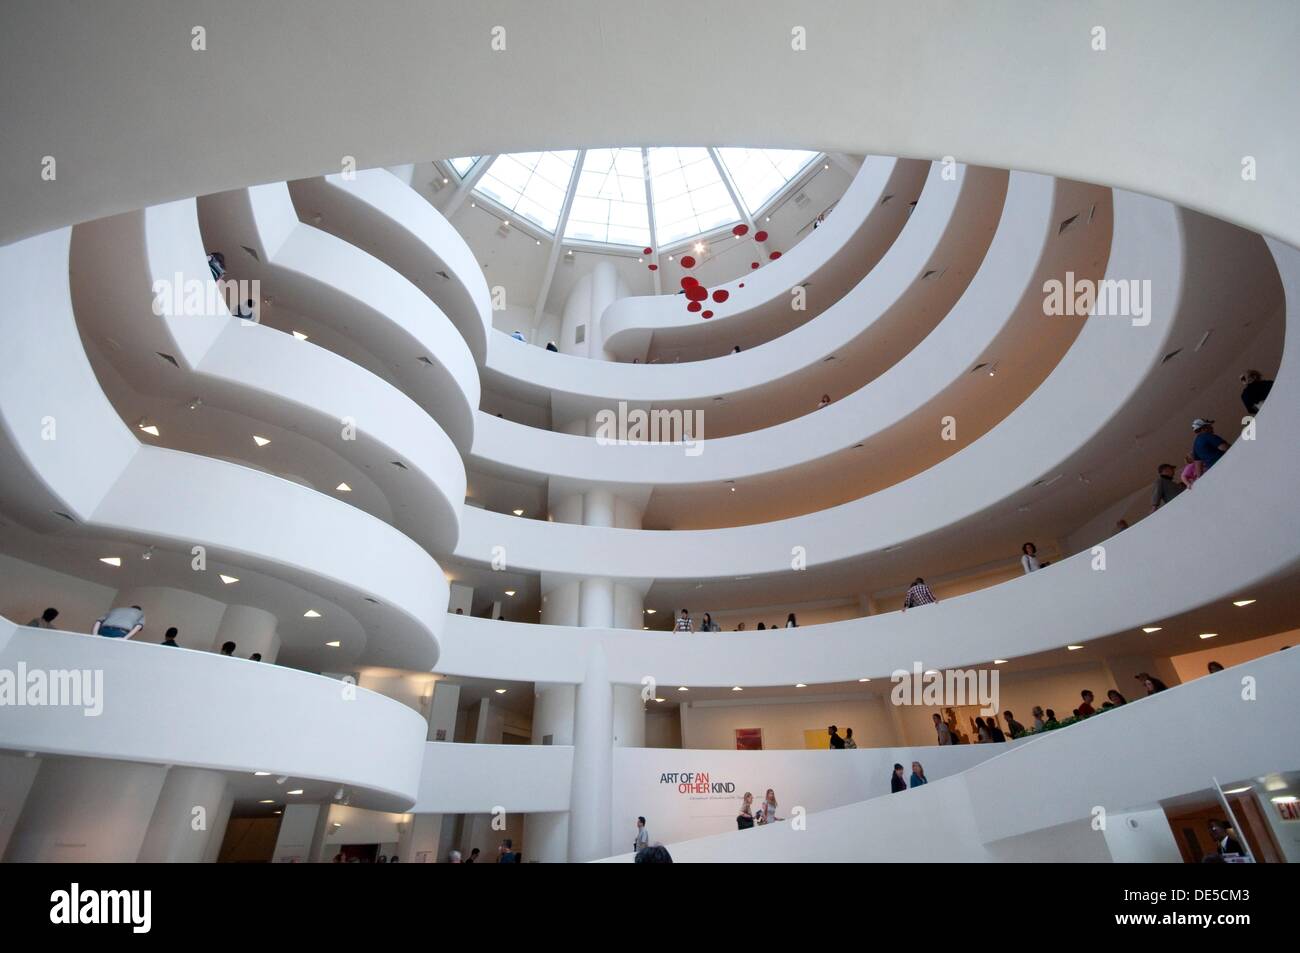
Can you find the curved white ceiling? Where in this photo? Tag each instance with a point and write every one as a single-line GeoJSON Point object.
{"type": "Point", "coordinates": [877, 62]}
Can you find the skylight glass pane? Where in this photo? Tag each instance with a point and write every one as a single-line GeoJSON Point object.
{"type": "Point", "coordinates": [463, 164]}
{"type": "Point", "coordinates": [689, 195]}
{"type": "Point", "coordinates": [759, 174]}
{"type": "Point", "coordinates": [609, 202]}
{"type": "Point", "coordinates": [531, 184]}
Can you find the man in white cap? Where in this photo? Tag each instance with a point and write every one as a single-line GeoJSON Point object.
{"type": "Point", "coordinates": [1208, 446]}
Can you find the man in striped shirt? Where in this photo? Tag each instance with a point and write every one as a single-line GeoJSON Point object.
{"type": "Point", "coordinates": [918, 595]}
{"type": "Point", "coordinates": [685, 623]}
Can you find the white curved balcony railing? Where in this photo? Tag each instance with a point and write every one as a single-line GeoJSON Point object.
{"type": "Point", "coordinates": [467, 778]}
{"type": "Point", "coordinates": [891, 419]}
{"type": "Point", "coordinates": [161, 705]}
{"type": "Point", "coordinates": [118, 266]}
{"type": "Point", "coordinates": [98, 473]}
{"type": "Point", "coordinates": [389, 220]}
{"type": "Point", "coordinates": [972, 816]}
{"type": "Point", "coordinates": [883, 317]}
{"type": "Point", "coordinates": [356, 296]}
{"type": "Point", "coordinates": [867, 220]}
{"type": "Point", "coordinates": [1066, 604]}
{"type": "Point", "coordinates": [1067, 413]}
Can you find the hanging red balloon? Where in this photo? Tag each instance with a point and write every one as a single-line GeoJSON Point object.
{"type": "Point", "coordinates": [721, 295]}
{"type": "Point", "coordinates": [653, 267]}
{"type": "Point", "coordinates": [753, 264]}
{"type": "Point", "coordinates": [706, 315]}
{"type": "Point", "coordinates": [689, 282]}
{"type": "Point", "coordinates": [697, 292]}
{"type": "Point", "coordinates": [742, 284]}
{"type": "Point", "coordinates": [694, 306]}
{"type": "Point", "coordinates": [740, 230]}
{"type": "Point", "coordinates": [760, 236]}
{"type": "Point", "coordinates": [647, 251]}
{"type": "Point", "coordinates": [774, 256]}
{"type": "Point", "coordinates": [688, 261]}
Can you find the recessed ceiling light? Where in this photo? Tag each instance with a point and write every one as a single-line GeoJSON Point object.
{"type": "Point", "coordinates": [1284, 799]}
{"type": "Point", "coordinates": [670, 257]}
{"type": "Point", "coordinates": [260, 441]}
{"type": "Point", "coordinates": [651, 611]}
{"type": "Point", "coordinates": [299, 335]}
{"type": "Point", "coordinates": [261, 774]}
{"type": "Point", "coordinates": [1148, 629]}
{"type": "Point", "coordinates": [510, 592]}
{"type": "Point", "coordinates": [311, 614]}
{"type": "Point", "coordinates": [517, 512]}
{"type": "Point", "coordinates": [445, 180]}
{"type": "Point", "coordinates": [343, 488]}
{"type": "Point", "coordinates": [1238, 790]}
{"type": "Point", "coordinates": [1209, 635]}
{"type": "Point", "coordinates": [277, 812]}
{"type": "Point", "coordinates": [150, 429]}
{"type": "Point", "coordinates": [683, 688]}
{"type": "Point", "coordinates": [826, 165]}
{"type": "Point", "coordinates": [228, 580]}
{"type": "Point", "coordinates": [298, 791]}
{"type": "Point", "coordinates": [473, 205]}
{"type": "Point", "coordinates": [931, 671]}
{"type": "Point", "coordinates": [768, 219]}
{"type": "Point", "coordinates": [500, 691]}
{"type": "Point", "coordinates": [333, 645]}
{"type": "Point", "coordinates": [111, 560]}
{"type": "Point", "coordinates": [864, 680]}
{"type": "Point", "coordinates": [800, 685]}
{"type": "Point", "coordinates": [267, 801]}
{"type": "Point", "coordinates": [539, 241]}
{"type": "Point", "coordinates": [640, 260]}
{"type": "Point", "coordinates": [1244, 602]}
{"type": "Point", "coordinates": [1073, 648]}
{"type": "Point", "coordinates": [660, 700]}
{"type": "Point", "coordinates": [736, 688]}
{"type": "Point", "coordinates": [999, 661]}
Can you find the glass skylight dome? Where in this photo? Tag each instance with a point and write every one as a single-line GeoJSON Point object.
{"type": "Point", "coordinates": [633, 197]}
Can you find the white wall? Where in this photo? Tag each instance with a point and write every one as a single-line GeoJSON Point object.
{"type": "Point", "coordinates": [26, 589]}
{"type": "Point", "coordinates": [813, 780]}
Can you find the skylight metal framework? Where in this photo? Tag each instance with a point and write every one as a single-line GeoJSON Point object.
{"type": "Point", "coordinates": [628, 198]}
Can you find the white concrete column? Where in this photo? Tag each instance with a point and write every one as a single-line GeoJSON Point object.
{"type": "Point", "coordinates": [197, 617]}
{"type": "Point", "coordinates": [220, 825]}
{"type": "Point", "coordinates": [481, 735]}
{"type": "Point", "coordinates": [298, 831]}
{"type": "Point", "coordinates": [629, 717]}
{"type": "Point", "coordinates": [421, 840]}
{"type": "Point", "coordinates": [462, 597]}
{"type": "Point", "coordinates": [596, 603]}
{"type": "Point", "coordinates": [553, 706]}
{"type": "Point", "coordinates": [593, 762]}
{"type": "Point", "coordinates": [442, 711]}
{"type": "Point", "coordinates": [252, 630]}
{"type": "Point", "coordinates": [83, 810]}
{"type": "Point", "coordinates": [598, 508]}
{"type": "Point", "coordinates": [182, 824]}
